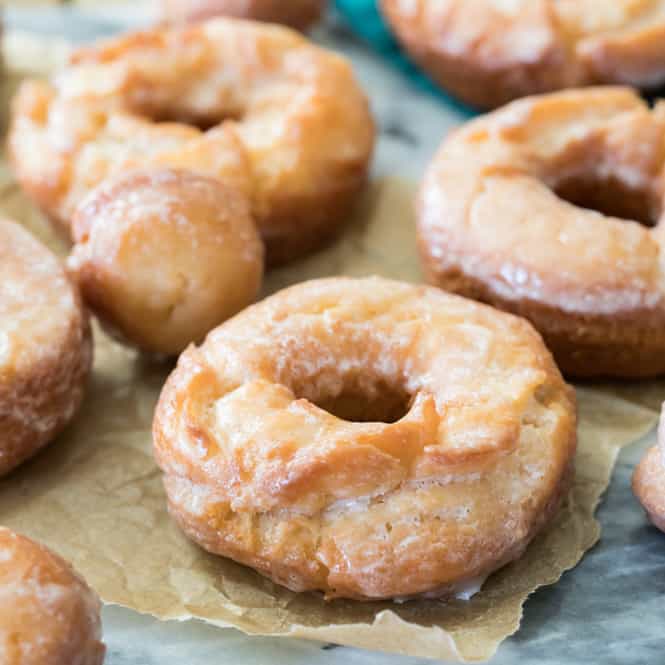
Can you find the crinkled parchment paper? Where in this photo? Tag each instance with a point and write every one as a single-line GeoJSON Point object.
{"type": "Point", "coordinates": [95, 495]}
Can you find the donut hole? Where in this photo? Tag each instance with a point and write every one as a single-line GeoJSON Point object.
{"type": "Point", "coordinates": [357, 401]}
{"type": "Point", "coordinates": [200, 122]}
{"type": "Point", "coordinates": [386, 405]}
{"type": "Point", "coordinates": [611, 197]}
{"type": "Point", "coordinates": [202, 119]}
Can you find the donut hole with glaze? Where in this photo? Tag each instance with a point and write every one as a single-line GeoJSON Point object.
{"type": "Point", "coordinates": [612, 197]}
{"type": "Point", "coordinates": [611, 165]}
{"type": "Point", "coordinates": [162, 256]}
{"type": "Point", "coordinates": [358, 398]}
{"type": "Point", "coordinates": [613, 170]}
{"type": "Point", "coordinates": [203, 122]}
{"type": "Point", "coordinates": [186, 107]}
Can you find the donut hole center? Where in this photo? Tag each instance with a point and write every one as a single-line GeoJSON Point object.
{"type": "Point", "coordinates": [200, 119]}
{"type": "Point", "coordinates": [611, 197]}
{"type": "Point", "coordinates": [357, 400]}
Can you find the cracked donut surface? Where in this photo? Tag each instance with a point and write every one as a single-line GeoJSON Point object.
{"type": "Point", "coordinates": [256, 105]}
{"type": "Point", "coordinates": [489, 52]}
{"type": "Point", "coordinates": [48, 615]}
{"type": "Point", "coordinates": [551, 208]}
{"type": "Point", "coordinates": [45, 346]}
{"type": "Point", "coordinates": [366, 438]}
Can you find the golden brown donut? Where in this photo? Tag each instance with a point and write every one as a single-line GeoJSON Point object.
{"type": "Point", "coordinates": [45, 346]}
{"type": "Point", "coordinates": [367, 438]}
{"type": "Point", "coordinates": [48, 615]}
{"type": "Point", "coordinates": [489, 52]}
{"type": "Point", "coordinates": [496, 224]}
{"type": "Point", "coordinates": [163, 256]}
{"type": "Point", "coordinates": [299, 14]}
{"type": "Point", "coordinates": [291, 127]}
{"type": "Point", "coordinates": [649, 480]}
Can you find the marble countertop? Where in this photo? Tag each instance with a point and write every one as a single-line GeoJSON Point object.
{"type": "Point", "coordinates": [610, 609]}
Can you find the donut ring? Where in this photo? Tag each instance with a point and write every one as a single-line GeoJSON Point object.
{"type": "Point", "coordinates": [164, 256]}
{"type": "Point", "coordinates": [299, 14]}
{"type": "Point", "coordinates": [649, 480]}
{"type": "Point", "coordinates": [48, 614]}
{"type": "Point", "coordinates": [291, 127]}
{"type": "Point", "coordinates": [491, 226]}
{"type": "Point", "coordinates": [489, 52]}
{"type": "Point", "coordinates": [460, 449]}
{"type": "Point", "coordinates": [45, 346]}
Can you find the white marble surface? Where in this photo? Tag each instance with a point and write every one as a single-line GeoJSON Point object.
{"type": "Point", "coordinates": [610, 609]}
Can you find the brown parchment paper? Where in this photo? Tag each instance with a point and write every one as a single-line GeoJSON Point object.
{"type": "Point", "coordinates": [95, 495]}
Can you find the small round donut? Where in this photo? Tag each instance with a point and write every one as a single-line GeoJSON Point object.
{"type": "Point", "coordinates": [48, 614]}
{"type": "Point", "coordinates": [299, 14]}
{"type": "Point", "coordinates": [535, 209]}
{"type": "Point", "coordinates": [367, 438]}
{"type": "Point", "coordinates": [489, 52]}
{"type": "Point", "coordinates": [256, 105]}
{"type": "Point", "coordinates": [164, 256]}
{"type": "Point", "coordinates": [649, 479]}
{"type": "Point", "coordinates": [45, 346]}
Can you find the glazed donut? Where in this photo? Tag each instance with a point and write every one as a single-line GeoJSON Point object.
{"type": "Point", "coordinates": [45, 346]}
{"type": "Point", "coordinates": [164, 256]}
{"type": "Point", "coordinates": [649, 479]}
{"type": "Point", "coordinates": [496, 223]}
{"type": "Point", "coordinates": [489, 52]}
{"type": "Point", "coordinates": [291, 127]}
{"type": "Point", "coordinates": [48, 615]}
{"type": "Point", "coordinates": [299, 14]}
{"type": "Point", "coordinates": [366, 438]}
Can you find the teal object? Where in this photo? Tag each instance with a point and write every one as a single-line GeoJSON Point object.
{"type": "Point", "coordinates": [365, 20]}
